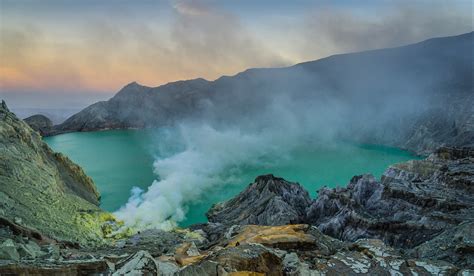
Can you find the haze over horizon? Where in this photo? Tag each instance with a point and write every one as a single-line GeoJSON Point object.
{"type": "Point", "coordinates": [68, 54]}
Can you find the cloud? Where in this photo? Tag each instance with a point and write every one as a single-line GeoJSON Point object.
{"type": "Point", "coordinates": [191, 8]}
{"type": "Point", "coordinates": [332, 30]}
{"type": "Point", "coordinates": [104, 52]}
{"type": "Point", "coordinates": [30, 60]}
{"type": "Point", "coordinates": [214, 39]}
{"type": "Point", "coordinates": [102, 49]}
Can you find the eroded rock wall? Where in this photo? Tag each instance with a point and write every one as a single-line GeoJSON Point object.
{"type": "Point", "coordinates": [43, 190]}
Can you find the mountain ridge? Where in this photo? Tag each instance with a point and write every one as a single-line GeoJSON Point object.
{"type": "Point", "coordinates": [402, 86]}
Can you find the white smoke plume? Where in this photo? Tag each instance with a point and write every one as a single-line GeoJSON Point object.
{"type": "Point", "coordinates": [184, 176]}
{"type": "Point", "coordinates": [205, 157]}
{"type": "Point", "coordinates": [260, 115]}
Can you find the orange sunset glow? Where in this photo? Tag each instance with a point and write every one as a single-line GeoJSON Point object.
{"type": "Point", "coordinates": [51, 47]}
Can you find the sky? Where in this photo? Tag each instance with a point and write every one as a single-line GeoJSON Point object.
{"type": "Point", "coordinates": [68, 53]}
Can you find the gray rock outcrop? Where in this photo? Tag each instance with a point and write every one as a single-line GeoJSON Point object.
{"type": "Point", "coordinates": [274, 201]}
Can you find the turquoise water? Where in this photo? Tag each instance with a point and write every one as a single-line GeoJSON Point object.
{"type": "Point", "coordinates": [117, 160]}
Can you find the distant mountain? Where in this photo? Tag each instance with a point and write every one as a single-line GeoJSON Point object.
{"type": "Point", "coordinates": [56, 115]}
{"type": "Point", "coordinates": [39, 123]}
{"type": "Point", "coordinates": [137, 106]}
{"type": "Point", "coordinates": [417, 97]}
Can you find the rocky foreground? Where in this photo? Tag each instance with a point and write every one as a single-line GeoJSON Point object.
{"type": "Point", "coordinates": [414, 202]}
{"type": "Point", "coordinates": [417, 220]}
{"type": "Point", "coordinates": [423, 207]}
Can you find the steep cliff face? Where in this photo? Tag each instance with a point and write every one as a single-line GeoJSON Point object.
{"type": "Point", "coordinates": [418, 97]}
{"type": "Point", "coordinates": [43, 190]}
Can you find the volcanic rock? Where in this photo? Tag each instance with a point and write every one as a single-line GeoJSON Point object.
{"type": "Point", "coordinates": [414, 202]}
{"type": "Point", "coordinates": [419, 205]}
{"type": "Point", "coordinates": [140, 263]}
{"type": "Point", "coordinates": [273, 201]}
{"type": "Point", "coordinates": [41, 190]}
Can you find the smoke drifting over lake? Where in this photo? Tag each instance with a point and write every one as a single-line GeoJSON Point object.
{"type": "Point", "coordinates": [209, 156]}
{"type": "Point", "coordinates": [262, 115]}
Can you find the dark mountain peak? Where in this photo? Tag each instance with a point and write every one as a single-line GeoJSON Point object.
{"type": "Point", "coordinates": [273, 184]}
{"type": "Point", "coordinates": [134, 87]}
{"type": "Point", "coordinates": [184, 83]}
{"type": "Point", "coordinates": [133, 84]}
{"type": "Point", "coordinates": [130, 90]}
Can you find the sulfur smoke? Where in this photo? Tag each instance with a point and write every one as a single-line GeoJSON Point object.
{"type": "Point", "coordinates": [206, 156]}
{"type": "Point", "coordinates": [416, 96]}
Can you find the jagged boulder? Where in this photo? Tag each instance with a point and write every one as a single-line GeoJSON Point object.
{"type": "Point", "coordinates": [140, 263]}
{"type": "Point", "coordinates": [269, 200]}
